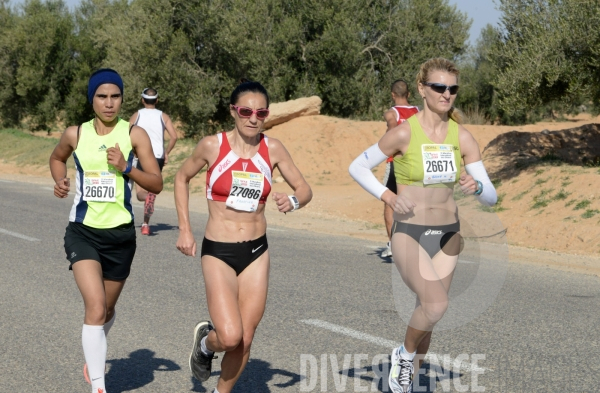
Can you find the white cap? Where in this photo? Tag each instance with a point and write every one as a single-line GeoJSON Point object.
{"type": "Point", "coordinates": [144, 95]}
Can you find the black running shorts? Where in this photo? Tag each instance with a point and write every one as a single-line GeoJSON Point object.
{"type": "Point", "coordinates": [237, 255]}
{"type": "Point", "coordinates": [114, 248]}
{"type": "Point", "coordinates": [161, 164]}
{"type": "Point", "coordinates": [390, 177]}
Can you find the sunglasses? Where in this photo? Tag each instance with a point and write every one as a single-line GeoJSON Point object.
{"type": "Point", "coordinates": [441, 88]}
{"type": "Point", "coordinates": [246, 112]}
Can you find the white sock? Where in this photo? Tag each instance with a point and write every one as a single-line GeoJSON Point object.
{"type": "Point", "coordinates": [109, 324]}
{"type": "Point", "coordinates": [93, 340]}
{"type": "Point", "coordinates": [204, 348]}
{"type": "Point", "coordinates": [404, 354]}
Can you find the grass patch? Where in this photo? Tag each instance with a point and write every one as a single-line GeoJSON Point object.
{"type": "Point", "coordinates": [565, 183]}
{"type": "Point", "coordinates": [539, 172]}
{"type": "Point", "coordinates": [497, 183]}
{"type": "Point", "coordinates": [552, 159]}
{"type": "Point", "coordinates": [572, 201]}
{"type": "Point", "coordinates": [589, 213]}
{"type": "Point", "coordinates": [561, 195]}
{"type": "Point", "coordinates": [25, 149]}
{"type": "Point", "coordinates": [582, 205]}
{"type": "Point", "coordinates": [541, 181]}
{"type": "Point", "coordinates": [520, 195]}
{"type": "Point", "coordinates": [540, 200]}
{"type": "Point", "coordinates": [370, 225]}
{"type": "Point", "coordinates": [539, 203]}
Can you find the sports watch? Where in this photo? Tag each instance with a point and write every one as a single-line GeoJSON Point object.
{"type": "Point", "coordinates": [479, 188]}
{"type": "Point", "coordinates": [294, 202]}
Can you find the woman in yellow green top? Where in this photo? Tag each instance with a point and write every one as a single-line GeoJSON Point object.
{"type": "Point", "coordinates": [100, 238]}
{"type": "Point", "coordinates": [428, 150]}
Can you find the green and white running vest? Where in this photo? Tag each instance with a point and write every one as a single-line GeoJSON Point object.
{"type": "Point", "coordinates": [103, 194]}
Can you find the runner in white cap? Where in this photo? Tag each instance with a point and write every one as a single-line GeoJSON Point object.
{"type": "Point", "coordinates": [155, 122]}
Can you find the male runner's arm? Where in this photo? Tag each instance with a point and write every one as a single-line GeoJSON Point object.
{"type": "Point", "coordinates": [172, 135]}
{"type": "Point", "coordinates": [58, 161]}
{"type": "Point", "coordinates": [281, 159]}
{"type": "Point", "coordinates": [133, 119]}
{"type": "Point", "coordinates": [390, 119]}
{"type": "Point", "coordinates": [190, 168]}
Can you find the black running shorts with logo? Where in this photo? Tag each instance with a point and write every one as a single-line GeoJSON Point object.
{"type": "Point", "coordinates": [237, 255]}
{"type": "Point", "coordinates": [114, 248]}
{"type": "Point", "coordinates": [161, 164]}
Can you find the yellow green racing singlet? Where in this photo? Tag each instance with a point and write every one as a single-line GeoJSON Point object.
{"type": "Point", "coordinates": [103, 194]}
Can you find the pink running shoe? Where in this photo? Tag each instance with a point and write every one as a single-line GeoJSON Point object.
{"type": "Point", "coordinates": [145, 229]}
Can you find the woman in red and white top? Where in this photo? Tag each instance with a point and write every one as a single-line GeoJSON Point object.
{"type": "Point", "coordinates": [235, 256]}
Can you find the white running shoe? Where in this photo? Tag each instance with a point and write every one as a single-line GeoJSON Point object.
{"type": "Point", "coordinates": [401, 374]}
{"type": "Point", "coordinates": [387, 252]}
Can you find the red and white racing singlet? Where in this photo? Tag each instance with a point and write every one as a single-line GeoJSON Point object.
{"type": "Point", "coordinates": [402, 114]}
{"type": "Point", "coordinates": [241, 183]}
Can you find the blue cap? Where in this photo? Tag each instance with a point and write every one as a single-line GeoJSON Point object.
{"type": "Point", "coordinates": [100, 77]}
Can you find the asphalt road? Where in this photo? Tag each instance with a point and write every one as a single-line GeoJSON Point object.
{"type": "Point", "coordinates": [329, 326]}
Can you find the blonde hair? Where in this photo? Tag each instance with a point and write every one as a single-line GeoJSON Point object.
{"type": "Point", "coordinates": [440, 64]}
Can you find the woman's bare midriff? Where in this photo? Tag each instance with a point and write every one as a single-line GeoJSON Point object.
{"type": "Point", "coordinates": [434, 206]}
{"type": "Point", "coordinates": [231, 226]}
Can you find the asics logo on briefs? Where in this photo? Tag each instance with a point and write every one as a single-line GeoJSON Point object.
{"type": "Point", "coordinates": [102, 148]}
{"type": "Point", "coordinates": [431, 232]}
{"type": "Point", "coordinates": [73, 255]}
{"type": "Point", "coordinates": [256, 249]}
{"type": "Point", "coordinates": [223, 165]}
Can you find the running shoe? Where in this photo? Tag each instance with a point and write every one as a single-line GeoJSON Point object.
{"type": "Point", "coordinates": [200, 364]}
{"type": "Point", "coordinates": [387, 252]}
{"type": "Point", "coordinates": [145, 229]}
{"type": "Point", "coordinates": [149, 204]}
{"type": "Point", "coordinates": [401, 374]}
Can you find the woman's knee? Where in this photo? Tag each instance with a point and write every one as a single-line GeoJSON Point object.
{"type": "Point", "coordinates": [434, 311]}
{"type": "Point", "coordinates": [230, 339]}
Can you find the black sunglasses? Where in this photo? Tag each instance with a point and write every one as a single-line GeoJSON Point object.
{"type": "Point", "coordinates": [441, 88]}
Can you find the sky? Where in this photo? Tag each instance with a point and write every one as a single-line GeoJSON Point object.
{"type": "Point", "coordinates": [481, 12]}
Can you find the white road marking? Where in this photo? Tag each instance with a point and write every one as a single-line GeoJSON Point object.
{"type": "Point", "coordinates": [276, 230]}
{"type": "Point", "coordinates": [5, 181]}
{"type": "Point", "coordinates": [20, 236]}
{"type": "Point", "coordinates": [430, 357]}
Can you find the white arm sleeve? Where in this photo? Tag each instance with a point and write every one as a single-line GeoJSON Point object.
{"type": "Point", "coordinates": [360, 170]}
{"type": "Point", "coordinates": [488, 197]}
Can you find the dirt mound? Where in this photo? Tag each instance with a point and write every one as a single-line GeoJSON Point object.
{"type": "Point", "coordinates": [579, 146]}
